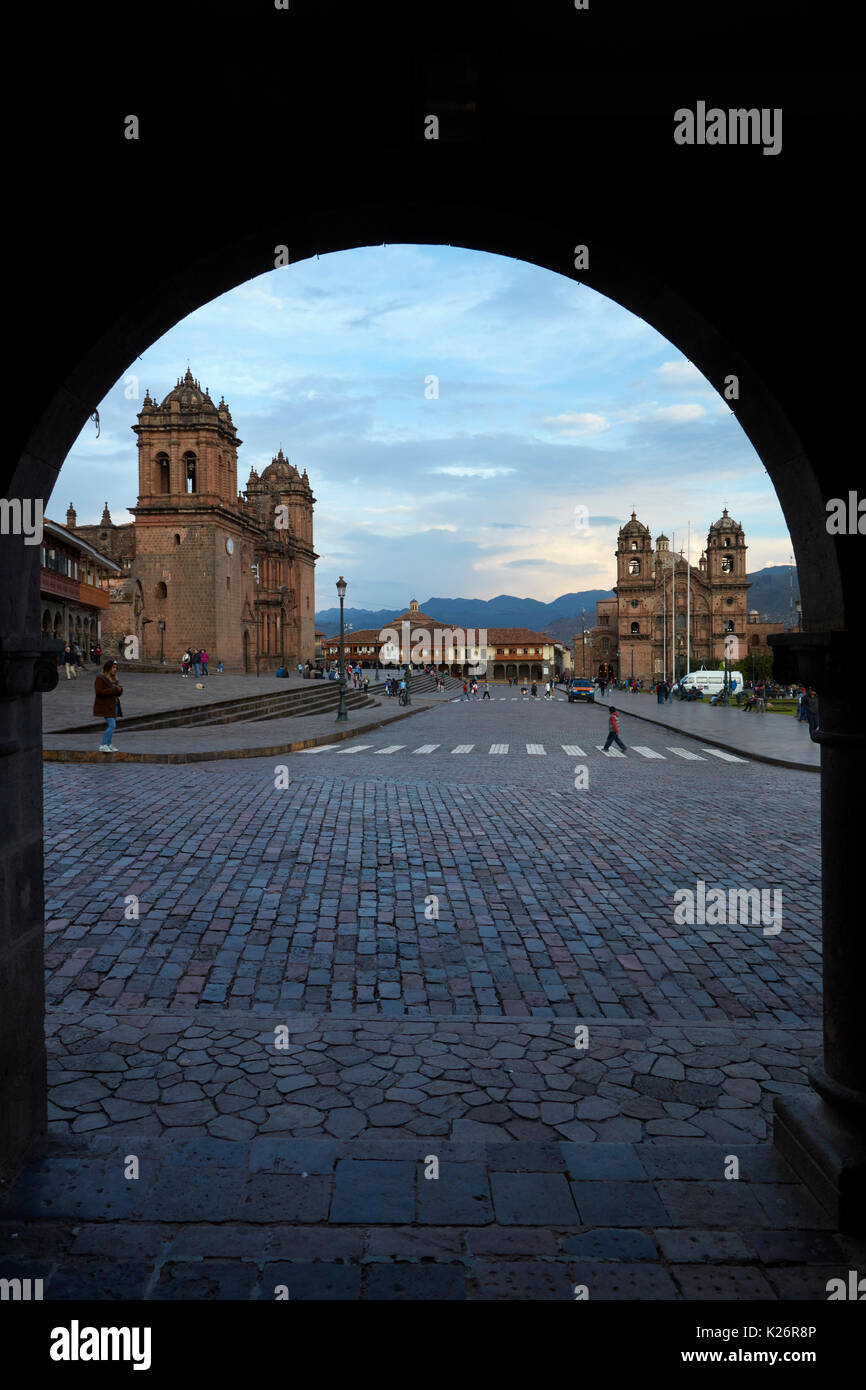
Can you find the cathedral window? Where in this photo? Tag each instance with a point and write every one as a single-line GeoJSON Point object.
{"type": "Point", "coordinates": [634, 566]}
{"type": "Point", "coordinates": [681, 620]}
{"type": "Point", "coordinates": [727, 542]}
{"type": "Point", "coordinates": [727, 565]}
{"type": "Point", "coordinates": [163, 479]}
{"type": "Point", "coordinates": [189, 461]}
{"type": "Point", "coordinates": [634, 545]}
{"type": "Point", "coordinates": [729, 625]}
{"type": "Point", "coordinates": [161, 590]}
{"type": "Point", "coordinates": [635, 629]}
{"type": "Point", "coordinates": [176, 538]}
{"type": "Point", "coordinates": [634, 603]}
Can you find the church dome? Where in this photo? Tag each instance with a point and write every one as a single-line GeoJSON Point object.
{"type": "Point", "coordinates": [634, 527]}
{"type": "Point", "coordinates": [725, 523]}
{"type": "Point", "coordinates": [189, 394]}
{"type": "Point", "coordinates": [279, 470]}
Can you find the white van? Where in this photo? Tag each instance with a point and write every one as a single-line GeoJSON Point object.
{"type": "Point", "coordinates": [712, 682]}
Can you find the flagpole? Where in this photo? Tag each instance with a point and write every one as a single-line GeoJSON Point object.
{"type": "Point", "coordinates": [674, 608]}
{"type": "Point", "coordinates": [689, 600]}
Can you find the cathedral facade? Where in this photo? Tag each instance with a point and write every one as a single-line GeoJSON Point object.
{"type": "Point", "coordinates": [667, 612]}
{"type": "Point", "coordinates": [204, 564]}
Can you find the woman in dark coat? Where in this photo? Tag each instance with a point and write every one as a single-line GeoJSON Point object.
{"type": "Point", "coordinates": [106, 703]}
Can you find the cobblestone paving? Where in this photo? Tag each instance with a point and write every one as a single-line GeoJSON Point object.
{"type": "Point", "coordinates": [552, 901]}
{"type": "Point", "coordinates": [305, 1165]}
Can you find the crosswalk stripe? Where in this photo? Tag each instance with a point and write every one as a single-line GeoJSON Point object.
{"type": "Point", "coordinates": [392, 748]}
{"type": "Point", "coordinates": [728, 757]}
{"type": "Point", "coordinates": [426, 748]}
{"type": "Point", "coordinates": [687, 753]}
{"type": "Point", "coordinates": [463, 748]}
{"type": "Point", "coordinates": [535, 748]}
{"type": "Point", "coordinates": [499, 747]}
{"type": "Point", "coordinates": [572, 750]}
{"type": "Point", "coordinates": [358, 748]}
{"type": "Point", "coordinates": [611, 752]}
{"type": "Point", "coordinates": [323, 748]}
{"type": "Point", "coordinates": [647, 752]}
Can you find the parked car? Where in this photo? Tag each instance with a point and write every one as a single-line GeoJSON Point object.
{"type": "Point", "coordinates": [581, 688]}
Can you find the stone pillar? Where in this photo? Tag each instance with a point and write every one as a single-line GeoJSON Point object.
{"type": "Point", "coordinates": [823, 1136]}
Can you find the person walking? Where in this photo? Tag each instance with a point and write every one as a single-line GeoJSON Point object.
{"type": "Point", "coordinates": [106, 703]}
{"type": "Point", "coordinates": [613, 732]}
{"type": "Point", "coordinates": [486, 695]}
{"type": "Point", "coordinates": [68, 659]}
{"type": "Point", "coordinates": [204, 661]}
{"type": "Point", "coordinates": [812, 711]}
{"type": "Point", "coordinates": [465, 695]}
{"type": "Point", "coordinates": [802, 715]}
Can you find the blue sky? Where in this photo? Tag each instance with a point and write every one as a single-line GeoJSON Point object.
{"type": "Point", "coordinates": [550, 398]}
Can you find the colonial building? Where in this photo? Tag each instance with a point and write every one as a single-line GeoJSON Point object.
{"type": "Point", "coordinates": [210, 566]}
{"type": "Point", "coordinates": [75, 581]}
{"type": "Point", "coordinates": [667, 611]}
{"type": "Point", "coordinates": [418, 637]}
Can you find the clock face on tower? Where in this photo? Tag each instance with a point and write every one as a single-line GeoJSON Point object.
{"type": "Point", "coordinates": [230, 545]}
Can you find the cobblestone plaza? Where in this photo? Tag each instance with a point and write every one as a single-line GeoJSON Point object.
{"type": "Point", "coordinates": [286, 985]}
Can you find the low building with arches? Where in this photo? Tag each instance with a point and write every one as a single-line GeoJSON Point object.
{"type": "Point", "coordinates": [75, 581]}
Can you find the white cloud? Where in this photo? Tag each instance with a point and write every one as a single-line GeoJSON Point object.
{"type": "Point", "coordinates": [465, 470]}
{"type": "Point", "coordinates": [679, 414]}
{"type": "Point", "coordinates": [574, 422]}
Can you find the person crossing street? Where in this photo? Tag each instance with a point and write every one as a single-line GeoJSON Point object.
{"type": "Point", "coordinates": [613, 732]}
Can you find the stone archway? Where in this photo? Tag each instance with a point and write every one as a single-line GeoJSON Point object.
{"type": "Point", "coordinates": [697, 290]}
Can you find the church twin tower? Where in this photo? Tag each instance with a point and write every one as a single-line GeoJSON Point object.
{"type": "Point", "coordinates": [197, 541]}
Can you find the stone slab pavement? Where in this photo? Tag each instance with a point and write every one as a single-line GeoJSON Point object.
{"type": "Point", "coordinates": [71, 702]}
{"type": "Point", "coordinates": [770, 738]}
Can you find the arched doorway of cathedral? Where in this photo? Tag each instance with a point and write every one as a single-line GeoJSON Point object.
{"type": "Point", "coordinates": [772, 418]}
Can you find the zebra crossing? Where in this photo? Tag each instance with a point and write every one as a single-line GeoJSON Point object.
{"type": "Point", "coordinates": [571, 750]}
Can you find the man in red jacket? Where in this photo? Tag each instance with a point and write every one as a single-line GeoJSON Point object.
{"type": "Point", "coordinates": [613, 732]}
{"type": "Point", "coordinates": [106, 703]}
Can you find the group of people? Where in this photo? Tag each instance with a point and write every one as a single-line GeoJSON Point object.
{"type": "Point", "coordinates": [73, 657]}
{"type": "Point", "coordinates": [194, 662]}
{"type": "Point", "coordinates": [470, 690]}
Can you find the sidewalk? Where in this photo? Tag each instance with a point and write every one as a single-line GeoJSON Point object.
{"type": "Point", "coordinates": [261, 739]}
{"type": "Point", "coordinates": [768, 738]}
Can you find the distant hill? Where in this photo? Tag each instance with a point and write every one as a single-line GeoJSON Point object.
{"type": "Point", "coordinates": [503, 611]}
{"type": "Point", "coordinates": [770, 594]}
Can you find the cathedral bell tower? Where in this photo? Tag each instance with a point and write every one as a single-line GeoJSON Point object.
{"type": "Point", "coordinates": [726, 576]}
{"type": "Point", "coordinates": [634, 591]}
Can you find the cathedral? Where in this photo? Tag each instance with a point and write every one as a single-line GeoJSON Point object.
{"type": "Point", "coordinates": [204, 564]}
{"type": "Point", "coordinates": [639, 634]}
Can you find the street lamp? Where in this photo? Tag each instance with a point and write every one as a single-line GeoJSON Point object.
{"type": "Point", "coordinates": [342, 716]}
{"type": "Point", "coordinates": [255, 573]}
{"type": "Point", "coordinates": [583, 642]}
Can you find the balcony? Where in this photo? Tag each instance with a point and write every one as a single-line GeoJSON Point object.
{"type": "Point", "coordinates": [52, 584]}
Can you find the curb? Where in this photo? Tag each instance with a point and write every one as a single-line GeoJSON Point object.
{"type": "Point", "coordinates": [718, 743]}
{"type": "Point", "coordinates": [81, 755]}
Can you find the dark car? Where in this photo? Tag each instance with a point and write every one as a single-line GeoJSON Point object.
{"type": "Point", "coordinates": [581, 688]}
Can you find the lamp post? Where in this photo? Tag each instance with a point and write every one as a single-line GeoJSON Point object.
{"type": "Point", "coordinates": [162, 641]}
{"type": "Point", "coordinates": [255, 573]}
{"type": "Point", "coordinates": [342, 716]}
{"type": "Point", "coordinates": [583, 642]}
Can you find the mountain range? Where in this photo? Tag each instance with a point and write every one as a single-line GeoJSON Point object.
{"type": "Point", "coordinates": [770, 594]}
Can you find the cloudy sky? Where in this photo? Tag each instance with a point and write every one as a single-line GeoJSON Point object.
{"type": "Point", "coordinates": [459, 416]}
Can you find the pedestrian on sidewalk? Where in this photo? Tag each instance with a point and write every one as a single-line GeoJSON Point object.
{"type": "Point", "coordinates": [613, 732]}
{"type": "Point", "coordinates": [106, 703]}
{"type": "Point", "coordinates": [802, 713]}
{"type": "Point", "coordinates": [185, 663]}
{"type": "Point", "coordinates": [204, 661]}
{"type": "Point", "coordinates": [68, 659]}
{"type": "Point", "coordinates": [812, 711]}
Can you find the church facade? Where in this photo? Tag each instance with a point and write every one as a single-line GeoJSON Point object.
{"type": "Point", "coordinates": [667, 612]}
{"type": "Point", "coordinates": [204, 564]}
